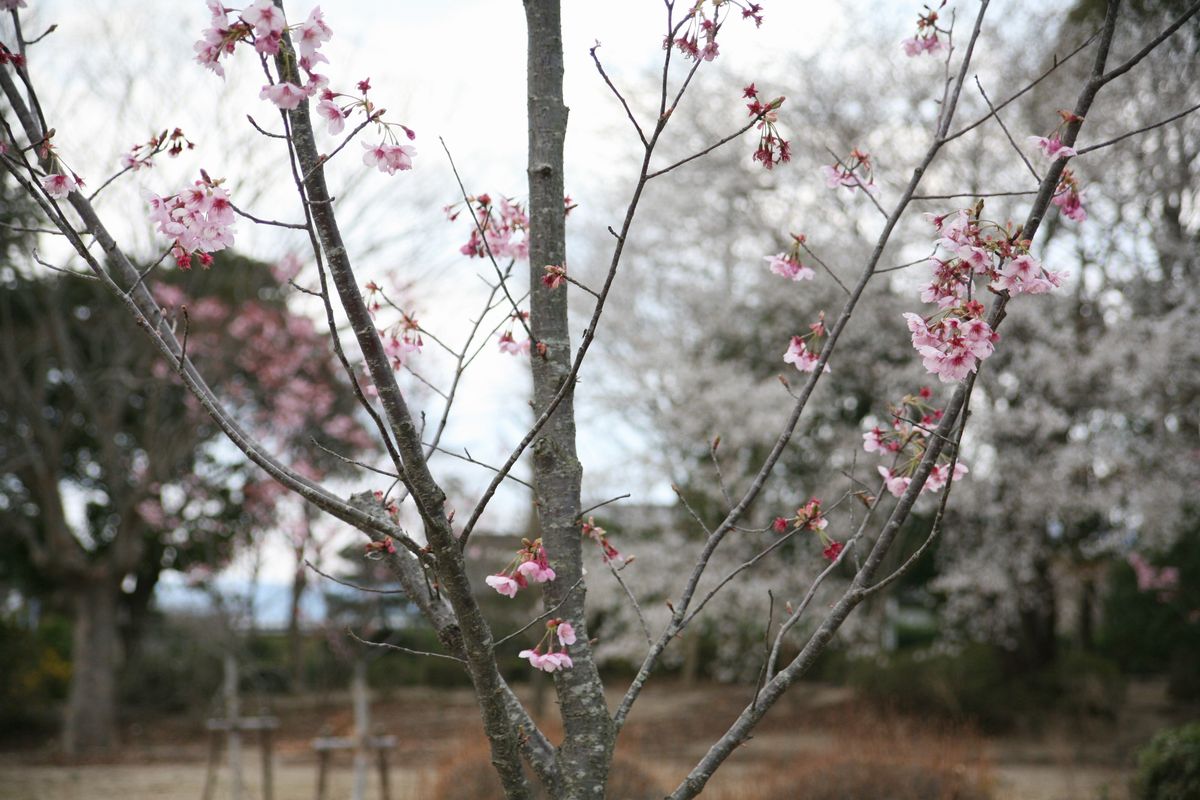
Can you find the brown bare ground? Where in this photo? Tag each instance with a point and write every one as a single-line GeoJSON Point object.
{"type": "Point", "coordinates": [813, 733]}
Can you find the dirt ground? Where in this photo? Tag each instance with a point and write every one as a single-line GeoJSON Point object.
{"type": "Point", "coordinates": [668, 732]}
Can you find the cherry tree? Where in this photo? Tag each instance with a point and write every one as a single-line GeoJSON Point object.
{"type": "Point", "coordinates": [980, 264]}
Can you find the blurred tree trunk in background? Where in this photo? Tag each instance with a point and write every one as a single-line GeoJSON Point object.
{"type": "Point", "coordinates": [92, 709]}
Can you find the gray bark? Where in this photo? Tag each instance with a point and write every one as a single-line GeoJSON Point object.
{"type": "Point", "coordinates": [586, 752]}
{"type": "Point", "coordinates": [91, 715]}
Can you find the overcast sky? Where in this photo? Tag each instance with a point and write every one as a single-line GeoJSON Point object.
{"type": "Point", "coordinates": [117, 70]}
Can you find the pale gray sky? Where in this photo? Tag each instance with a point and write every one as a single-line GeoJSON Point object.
{"type": "Point", "coordinates": [116, 70]}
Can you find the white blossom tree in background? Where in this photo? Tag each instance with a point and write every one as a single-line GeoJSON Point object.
{"type": "Point", "coordinates": [979, 260]}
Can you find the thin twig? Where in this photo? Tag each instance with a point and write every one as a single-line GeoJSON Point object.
{"type": "Point", "coordinates": [972, 194]}
{"type": "Point", "coordinates": [628, 111]}
{"type": "Point", "coordinates": [261, 221]}
{"type": "Point", "coordinates": [690, 510]}
{"type": "Point", "coordinates": [1150, 127]}
{"type": "Point", "coordinates": [825, 266]}
{"type": "Point", "coordinates": [326, 159]}
{"type": "Point", "coordinates": [264, 131]}
{"type": "Point", "coordinates": [470, 459]}
{"type": "Point", "coordinates": [604, 503]}
{"type": "Point", "coordinates": [1004, 128]}
{"type": "Point", "coordinates": [712, 453]}
{"type": "Point", "coordinates": [355, 462]}
{"type": "Point", "coordinates": [1058, 62]}
{"type": "Point", "coordinates": [349, 585]}
{"type": "Point", "coordinates": [762, 673]}
{"type": "Point", "coordinates": [403, 649]}
{"type": "Point", "coordinates": [64, 271]}
{"type": "Point", "coordinates": [547, 613]}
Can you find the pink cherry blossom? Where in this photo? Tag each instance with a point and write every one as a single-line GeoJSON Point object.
{"type": "Point", "coordinates": [786, 266]}
{"type": "Point", "coordinates": [799, 354]}
{"type": "Point", "coordinates": [873, 441]}
{"type": "Point", "coordinates": [311, 34]}
{"type": "Point", "coordinates": [1069, 197]}
{"type": "Point", "coordinates": [284, 95]}
{"type": "Point", "coordinates": [566, 633]}
{"type": "Point", "coordinates": [399, 348]}
{"type": "Point", "coordinates": [1163, 580]}
{"type": "Point", "coordinates": [1051, 147]}
{"type": "Point", "coordinates": [504, 585]}
{"type": "Point", "coordinates": [940, 474]}
{"type": "Point", "coordinates": [265, 17]}
{"type": "Point", "coordinates": [809, 517]}
{"type": "Point", "coordinates": [896, 484]}
{"type": "Point", "coordinates": [534, 572]}
{"type": "Point", "coordinates": [59, 186]}
{"type": "Point", "coordinates": [535, 658]}
{"type": "Point", "coordinates": [388, 158]}
{"type": "Point", "coordinates": [511, 346]}
{"type": "Point", "coordinates": [199, 220]}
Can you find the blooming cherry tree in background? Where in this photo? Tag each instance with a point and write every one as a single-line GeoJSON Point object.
{"type": "Point", "coordinates": [978, 268]}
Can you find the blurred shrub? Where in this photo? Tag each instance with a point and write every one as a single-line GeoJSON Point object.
{"type": "Point", "coordinates": [469, 775]}
{"type": "Point", "coordinates": [978, 683]}
{"type": "Point", "coordinates": [175, 668]}
{"type": "Point", "coordinates": [1169, 766]}
{"type": "Point", "coordinates": [35, 671]}
{"type": "Point", "coordinates": [1145, 632]}
{"type": "Point", "coordinates": [861, 780]}
{"type": "Point", "coordinates": [874, 757]}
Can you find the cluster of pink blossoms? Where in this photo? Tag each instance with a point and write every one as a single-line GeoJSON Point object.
{"type": "Point", "coordinates": [697, 27]}
{"type": "Point", "coordinates": [809, 518]}
{"type": "Point", "coordinates": [386, 545]}
{"type": "Point", "coordinates": [389, 155]}
{"type": "Point", "coordinates": [926, 39]}
{"type": "Point", "coordinates": [772, 148]}
{"type": "Point", "coordinates": [142, 155]}
{"type": "Point", "coordinates": [555, 656]}
{"type": "Point", "coordinates": [508, 342]}
{"type": "Point", "coordinates": [1069, 197]}
{"type": "Point", "coordinates": [1164, 581]}
{"type": "Point", "coordinates": [61, 181]}
{"type": "Point", "coordinates": [608, 553]}
{"type": "Point", "coordinates": [805, 351]}
{"type": "Point", "coordinates": [953, 340]}
{"type": "Point", "coordinates": [854, 173]}
{"type": "Point", "coordinates": [402, 340]}
{"type": "Point", "coordinates": [505, 228]}
{"type": "Point", "coordinates": [528, 566]}
{"type": "Point", "coordinates": [697, 34]}
{"type": "Point", "coordinates": [913, 419]}
{"type": "Point", "coordinates": [199, 220]}
{"type": "Point", "coordinates": [787, 264]}
{"type": "Point", "coordinates": [555, 276]}
{"type": "Point", "coordinates": [58, 185]}
{"type": "Point", "coordinates": [1051, 147]}
{"type": "Point", "coordinates": [262, 23]}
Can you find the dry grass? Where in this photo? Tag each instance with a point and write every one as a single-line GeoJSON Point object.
{"type": "Point", "coordinates": [868, 757]}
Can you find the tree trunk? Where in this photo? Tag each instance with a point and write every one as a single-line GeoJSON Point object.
{"type": "Point", "coordinates": [587, 746]}
{"type": "Point", "coordinates": [1087, 611]}
{"type": "Point", "coordinates": [92, 704]}
{"type": "Point", "coordinates": [295, 640]}
{"type": "Point", "coordinates": [1039, 636]}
